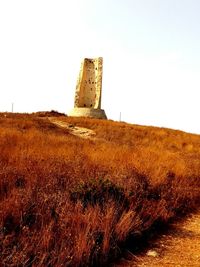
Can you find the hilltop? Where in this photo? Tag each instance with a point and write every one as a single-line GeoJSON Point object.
{"type": "Point", "coordinates": [66, 200]}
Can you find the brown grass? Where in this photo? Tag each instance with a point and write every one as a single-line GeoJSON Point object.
{"type": "Point", "coordinates": [65, 201]}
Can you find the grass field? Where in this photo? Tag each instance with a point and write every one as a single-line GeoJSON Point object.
{"type": "Point", "coordinates": [67, 201]}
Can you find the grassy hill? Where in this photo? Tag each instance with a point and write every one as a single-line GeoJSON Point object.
{"type": "Point", "coordinates": [68, 201]}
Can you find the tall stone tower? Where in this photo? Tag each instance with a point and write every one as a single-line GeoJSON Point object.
{"type": "Point", "coordinates": [87, 101]}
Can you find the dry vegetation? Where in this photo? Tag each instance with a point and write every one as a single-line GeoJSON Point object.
{"type": "Point", "coordinates": [65, 201]}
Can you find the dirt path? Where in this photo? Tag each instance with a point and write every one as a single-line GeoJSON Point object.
{"type": "Point", "coordinates": [180, 247]}
{"type": "Point", "coordinates": [75, 130]}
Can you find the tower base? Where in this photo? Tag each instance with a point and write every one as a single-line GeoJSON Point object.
{"type": "Point", "coordinates": [88, 112]}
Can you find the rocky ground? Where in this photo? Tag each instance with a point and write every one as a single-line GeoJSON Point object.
{"type": "Point", "coordinates": [74, 130]}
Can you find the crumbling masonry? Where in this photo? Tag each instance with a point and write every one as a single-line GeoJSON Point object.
{"type": "Point", "coordinates": [88, 90]}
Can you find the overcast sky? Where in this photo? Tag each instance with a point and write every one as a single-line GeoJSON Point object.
{"type": "Point", "coordinates": [151, 52]}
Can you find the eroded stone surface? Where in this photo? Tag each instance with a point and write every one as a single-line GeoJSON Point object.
{"type": "Point", "coordinates": [81, 132]}
{"type": "Point", "coordinates": [87, 101]}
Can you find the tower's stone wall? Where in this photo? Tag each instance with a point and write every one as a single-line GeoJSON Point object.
{"type": "Point", "coordinates": [88, 89]}
{"type": "Point", "coordinates": [89, 84]}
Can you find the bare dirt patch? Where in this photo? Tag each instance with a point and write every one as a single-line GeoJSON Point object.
{"type": "Point", "coordinates": [180, 247]}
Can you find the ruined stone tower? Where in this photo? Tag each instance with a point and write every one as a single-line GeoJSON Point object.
{"type": "Point", "coordinates": [87, 101]}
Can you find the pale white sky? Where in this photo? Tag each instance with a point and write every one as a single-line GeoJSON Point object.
{"type": "Point", "coordinates": [150, 50]}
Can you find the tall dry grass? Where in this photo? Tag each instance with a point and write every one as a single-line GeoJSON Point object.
{"type": "Point", "coordinates": [65, 201]}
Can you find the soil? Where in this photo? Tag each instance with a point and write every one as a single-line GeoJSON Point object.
{"type": "Point", "coordinates": [180, 247]}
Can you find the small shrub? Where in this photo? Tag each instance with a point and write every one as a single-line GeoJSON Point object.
{"type": "Point", "coordinates": [99, 192]}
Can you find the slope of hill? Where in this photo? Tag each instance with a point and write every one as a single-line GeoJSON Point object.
{"type": "Point", "coordinates": [69, 201]}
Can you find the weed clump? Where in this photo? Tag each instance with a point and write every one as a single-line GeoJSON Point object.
{"type": "Point", "coordinates": [98, 191]}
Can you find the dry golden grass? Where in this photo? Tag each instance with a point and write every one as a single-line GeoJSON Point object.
{"type": "Point", "coordinates": [65, 201]}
